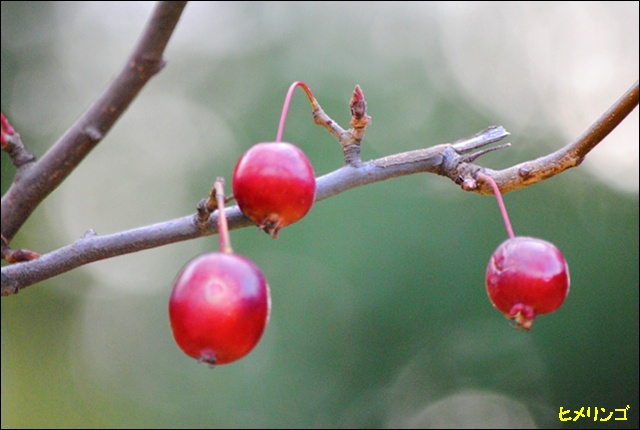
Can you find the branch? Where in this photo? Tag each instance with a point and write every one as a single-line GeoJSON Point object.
{"type": "Point", "coordinates": [37, 180]}
{"type": "Point", "coordinates": [436, 159]}
{"type": "Point", "coordinates": [528, 173]}
{"type": "Point", "coordinates": [351, 139]}
{"type": "Point", "coordinates": [453, 160]}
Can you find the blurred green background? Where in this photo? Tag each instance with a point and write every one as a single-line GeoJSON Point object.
{"type": "Point", "coordinates": [380, 316]}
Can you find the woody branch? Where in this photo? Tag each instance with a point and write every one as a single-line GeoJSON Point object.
{"type": "Point", "coordinates": [35, 180]}
{"type": "Point", "coordinates": [454, 160]}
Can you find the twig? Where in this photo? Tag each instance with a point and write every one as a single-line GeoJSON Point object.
{"type": "Point", "coordinates": [93, 248]}
{"type": "Point", "coordinates": [451, 160]}
{"type": "Point", "coordinates": [16, 255]}
{"type": "Point", "coordinates": [351, 139]}
{"type": "Point", "coordinates": [33, 185]}
{"type": "Point", "coordinates": [530, 172]}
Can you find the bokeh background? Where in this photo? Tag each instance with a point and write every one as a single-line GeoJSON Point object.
{"type": "Point", "coordinates": [380, 316]}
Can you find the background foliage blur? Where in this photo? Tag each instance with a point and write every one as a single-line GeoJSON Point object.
{"type": "Point", "coordinates": [380, 317]}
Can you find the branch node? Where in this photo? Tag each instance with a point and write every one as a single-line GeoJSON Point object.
{"type": "Point", "coordinates": [89, 234]}
{"type": "Point", "coordinates": [18, 255]}
{"type": "Point", "coordinates": [202, 215]}
{"type": "Point", "coordinates": [349, 139]}
{"type": "Point", "coordinates": [469, 184]}
{"type": "Point", "coordinates": [351, 154]}
{"type": "Point", "coordinates": [93, 133]}
{"type": "Point", "coordinates": [206, 207]}
{"type": "Point", "coordinates": [524, 172]}
{"type": "Point", "coordinates": [12, 144]}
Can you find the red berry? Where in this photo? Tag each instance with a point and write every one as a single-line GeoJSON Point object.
{"type": "Point", "coordinates": [274, 185]}
{"type": "Point", "coordinates": [219, 307]}
{"type": "Point", "coordinates": [526, 277]}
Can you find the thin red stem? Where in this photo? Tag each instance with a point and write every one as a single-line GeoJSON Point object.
{"type": "Point", "coordinates": [223, 228]}
{"type": "Point", "coordinates": [503, 208]}
{"type": "Point", "coordinates": [287, 102]}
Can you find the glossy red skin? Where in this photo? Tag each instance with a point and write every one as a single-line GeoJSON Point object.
{"type": "Point", "coordinates": [219, 307]}
{"type": "Point", "coordinates": [274, 185]}
{"type": "Point", "coordinates": [525, 277]}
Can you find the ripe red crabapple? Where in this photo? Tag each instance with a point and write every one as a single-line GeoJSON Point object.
{"type": "Point", "coordinates": [274, 185]}
{"type": "Point", "coordinates": [526, 276]}
{"type": "Point", "coordinates": [219, 306]}
{"type": "Point", "coordinates": [273, 182]}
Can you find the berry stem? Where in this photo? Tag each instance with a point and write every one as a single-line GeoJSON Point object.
{"type": "Point", "coordinates": [503, 209]}
{"type": "Point", "coordinates": [287, 101]}
{"type": "Point", "coordinates": [223, 228]}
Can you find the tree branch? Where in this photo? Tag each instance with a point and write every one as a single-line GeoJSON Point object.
{"type": "Point", "coordinates": [437, 159]}
{"type": "Point", "coordinates": [453, 160]}
{"type": "Point", "coordinates": [37, 180]}
{"type": "Point", "coordinates": [528, 173]}
{"type": "Point", "coordinates": [34, 181]}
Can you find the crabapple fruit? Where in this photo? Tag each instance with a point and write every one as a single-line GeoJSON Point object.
{"type": "Point", "coordinates": [526, 277]}
{"type": "Point", "coordinates": [274, 185]}
{"type": "Point", "coordinates": [274, 182]}
{"type": "Point", "coordinates": [219, 307]}
{"type": "Point", "coordinates": [220, 303]}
